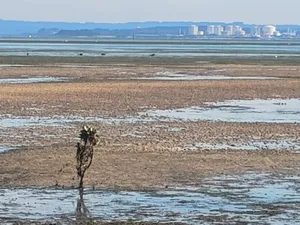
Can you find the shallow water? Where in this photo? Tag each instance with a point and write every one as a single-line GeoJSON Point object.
{"type": "Point", "coordinates": [256, 198]}
{"type": "Point", "coordinates": [174, 76]}
{"type": "Point", "coordinates": [250, 145]}
{"type": "Point", "coordinates": [11, 121]}
{"type": "Point", "coordinates": [257, 110]}
{"type": "Point", "coordinates": [13, 65]}
{"type": "Point", "coordinates": [31, 80]}
{"type": "Point", "coordinates": [5, 148]}
{"type": "Point", "coordinates": [163, 50]}
{"type": "Point", "coordinates": [268, 111]}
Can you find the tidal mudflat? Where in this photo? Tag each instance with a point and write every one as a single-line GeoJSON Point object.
{"type": "Point", "coordinates": [136, 173]}
{"type": "Point", "coordinates": [247, 198]}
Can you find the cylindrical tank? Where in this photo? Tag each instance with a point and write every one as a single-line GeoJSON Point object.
{"type": "Point", "coordinates": [269, 30]}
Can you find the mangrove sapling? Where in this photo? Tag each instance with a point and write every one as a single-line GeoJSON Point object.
{"type": "Point", "coordinates": [85, 151]}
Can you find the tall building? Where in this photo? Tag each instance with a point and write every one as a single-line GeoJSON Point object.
{"type": "Point", "coordinates": [193, 30]}
{"type": "Point", "coordinates": [218, 30]}
{"type": "Point", "coordinates": [229, 30]}
{"type": "Point", "coordinates": [211, 29]}
{"type": "Point", "coordinates": [255, 31]}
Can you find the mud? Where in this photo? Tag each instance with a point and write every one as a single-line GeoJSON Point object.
{"type": "Point", "coordinates": [248, 198]}
{"type": "Point", "coordinates": [136, 173]}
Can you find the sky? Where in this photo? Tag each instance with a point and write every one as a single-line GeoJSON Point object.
{"type": "Point", "coordinates": [248, 11]}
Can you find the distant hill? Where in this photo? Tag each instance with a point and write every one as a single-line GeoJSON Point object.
{"type": "Point", "coordinates": [25, 28]}
{"type": "Point", "coordinates": [16, 28]}
{"type": "Point", "coordinates": [150, 31]}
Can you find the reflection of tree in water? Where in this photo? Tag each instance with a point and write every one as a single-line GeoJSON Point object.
{"type": "Point", "coordinates": [82, 213]}
{"type": "Point", "coordinates": [84, 159]}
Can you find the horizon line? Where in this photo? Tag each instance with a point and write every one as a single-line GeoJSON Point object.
{"type": "Point", "coordinates": [147, 21]}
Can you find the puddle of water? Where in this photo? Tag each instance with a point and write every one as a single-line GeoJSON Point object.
{"type": "Point", "coordinates": [32, 80]}
{"type": "Point", "coordinates": [175, 129]}
{"type": "Point", "coordinates": [270, 111]}
{"type": "Point", "coordinates": [135, 134]}
{"type": "Point", "coordinates": [251, 145]}
{"type": "Point", "coordinates": [5, 148]}
{"type": "Point", "coordinates": [169, 128]}
{"type": "Point", "coordinates": [10, 121]}
{"type": "Point", "coordinates": [13, 65]}
{"type": "Point", "coordinates": [257, 110]}
{"type": "Point", "coordinates": [261, 198]}
{"type": "Point", "coordinates": [174, 76]}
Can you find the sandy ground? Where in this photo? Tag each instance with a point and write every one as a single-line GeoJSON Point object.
{"type": "Point", "coordinates": [153, 61]}
{"type": "Point", "coordinates": [85, 71]}
{"type": "Point", "coordinates": [118, 98]}
{"type": "Point", "coordinates": [134, 170]}
{"type": "Point", "coordinates": [126, 161]}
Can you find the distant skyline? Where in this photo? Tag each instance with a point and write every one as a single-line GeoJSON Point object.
{"type": "Point", "coordinates": [119, 11]}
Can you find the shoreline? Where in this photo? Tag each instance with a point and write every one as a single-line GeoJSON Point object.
{"type": "Point", "coordinates": [150, 61]}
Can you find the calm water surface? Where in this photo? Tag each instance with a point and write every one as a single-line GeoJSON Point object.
{"type": "Point", "coordinates": [164, 50]}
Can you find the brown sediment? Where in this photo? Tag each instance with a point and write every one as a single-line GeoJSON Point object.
{"type": "Point", "coordinates": [114, 166]}
{"type": "Point", "coordinates": [139, 155]}
{"type": "Point", "coordinates": [132, 70]}
{"type": "Point", "coordinates": [130, 97]}
{"type": "Point", "coordinates": [199, 61]}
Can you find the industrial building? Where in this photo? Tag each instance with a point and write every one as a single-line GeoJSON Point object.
{"type": "Point", "coordinates": [237, 30]}
{"type": "Point", "coordinates": [229, 30]}
{"type": "Point", "coordinates": [218, 30]}
{"type": "Point", "coordinates": [211, 29]}
{"type": "Point", "coordinates": [255, 31]}
{"type": "Point", "coordinates": [193, 30]}
{"type": "Point", "coordinates": [269, 30]}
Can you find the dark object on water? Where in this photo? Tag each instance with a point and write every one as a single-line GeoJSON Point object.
{"type": "Point", "coordinates": [80, 54]}
{"type": "Point", "coordinates": [152, 55]}
{"type": "Point", "coordinates": [103, 53]}
{"type": "Point", "coordinates": [27, 54]}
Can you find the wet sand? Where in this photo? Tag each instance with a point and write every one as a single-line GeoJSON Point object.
{"type": "Point", "coordinates": [119, 98]}
{"type": "Point", "coordinates": [152, 61]}
{"type": "Point", "coordinates": [115, 167]}
{"type": "Point", "coordinates": [97, 95]}
{"type": "Point", "coordinates": [139, 155]}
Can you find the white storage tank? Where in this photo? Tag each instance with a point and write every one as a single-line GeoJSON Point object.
{"type": "Point", "coordinates": [269, 30]}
